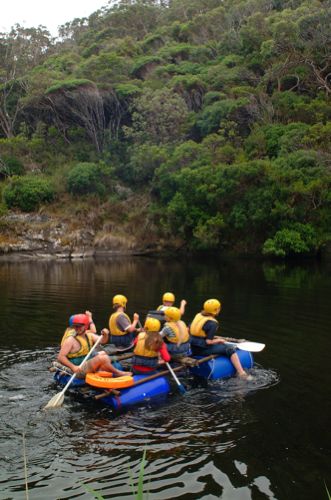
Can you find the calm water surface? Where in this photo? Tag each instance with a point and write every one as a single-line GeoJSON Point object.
{"type": "Point", "coordinates": [268, 439]}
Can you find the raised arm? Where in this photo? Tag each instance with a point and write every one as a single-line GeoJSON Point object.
{"type": "Point", "coordinates": [92, 328]}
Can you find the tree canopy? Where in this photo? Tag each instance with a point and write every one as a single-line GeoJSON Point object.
{"type": "Point", "coordinates": [219, 111]}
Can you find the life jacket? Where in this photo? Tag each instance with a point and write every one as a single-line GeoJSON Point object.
{"type": "Point", "coordinates": [86, 343]}
{"type": "Point", "coordinates": [178, 335]}
{"type": "Point", "coordinates": [162, 308]}
{"type": "Point", "coordinates": [196, 328]}
{"type": "Point", "coordinates": [70, 332]}
{"type": "Point", "coordinates": [143, 356]}
{"type": "Point", "coordinates": [114, 330]}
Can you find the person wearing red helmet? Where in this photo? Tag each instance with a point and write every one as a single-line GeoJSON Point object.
{"type": "Point", "coordinates": [74, 349]}
{"type": "Point", "coordinates": [92, 327]}
{"type": "Point", "coordinates": [70, 331]}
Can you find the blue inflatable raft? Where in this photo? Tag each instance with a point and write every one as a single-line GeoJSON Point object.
{"type": "Point", "coordinates": [220, 367]}
{"type": "Point", "coordinates": [152, 389]}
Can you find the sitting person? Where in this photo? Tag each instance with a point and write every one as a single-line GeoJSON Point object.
{"type": "Point", "coordinates": [91, 327]}
{"type": "Point", "coordinates": [168, 300]}
{"type": "Point", "coordinates": [69, 331]}
{"type": "Point", "coordinates": [122, 331]}
{"type": "Point", "coordinates": [75, 346]}
{"type": "Point", "coordinates": [175, 333]}
{"type": "Point", "coordinates": [149, 346]}
{"type": "Point", "coordinates": [204, 341]}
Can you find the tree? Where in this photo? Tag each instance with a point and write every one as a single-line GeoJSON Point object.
{"type": "Point", "coordinates": [20, 50]}
{"type": "Point", "coordinates": [80, 103]}
{"type": "Point", "coordinates": [158, 117]}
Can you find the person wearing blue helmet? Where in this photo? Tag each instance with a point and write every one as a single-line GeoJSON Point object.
{"type": "Point", "coordinates": [92, 327]}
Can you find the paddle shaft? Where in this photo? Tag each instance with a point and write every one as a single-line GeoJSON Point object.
{"type": "Point", "coordinates": [181, 387]}
{"type": "Point", "coordinates": [88, 355]}
{"type": "Point", "coordinates": [141, 381]}
{"type": "Point", "coordinates": [122, 357]}
{"type": "Point", "coordinates": [156, 375]}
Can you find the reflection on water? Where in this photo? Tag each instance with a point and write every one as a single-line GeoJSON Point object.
{"type": "Point", "coordinates": [228, 440]}
{"type": "Point", "coordinates": [94, 444]}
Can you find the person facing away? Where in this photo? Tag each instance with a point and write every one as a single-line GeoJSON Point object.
{"type": "Point", "coordinates": [175, 333]}
{"type": "Point", "coordinates": [149, 347]}
{"type": "Point", "coordinates": [204, 341]}
{"type": "Point", "coordinates": [168, 300]}
{"type": "Point", "coordinates": [76, 344]}
{"type": "Point", "coordinates": [122, 331]}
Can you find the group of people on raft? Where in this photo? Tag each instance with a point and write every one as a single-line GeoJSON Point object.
{"type": "Point", "coordinates": [152, 344]}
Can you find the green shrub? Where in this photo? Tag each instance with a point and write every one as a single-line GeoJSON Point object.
{"type": "Point", "coordinates": [87, 178]}
{"type": "Point", "coordinates": [209, 119]}
{"type": "Point", "coordinates": [144, 160]}
{"type": "Point", "coordinates": [10, 166]}
{"type": "Point", "coordinates": [27, 193]}
{"type": "Point", "coordinates": [295, 240]}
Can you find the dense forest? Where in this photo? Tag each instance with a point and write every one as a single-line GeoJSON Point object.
{"type": "Point", "coordinates": [200, 125]}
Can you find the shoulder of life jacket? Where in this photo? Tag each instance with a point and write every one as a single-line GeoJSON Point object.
{"type": "Point", "coordinates": [86, 344]}
{"type": "Point", "coordinates": [140, 348]}
{"type": "Point", "coordinates": [70, 332]}
{"type": "Point", "coordinates": [196, 328]}
{"type": "Point", "coordinates": [178, 335]}
{"type": "Point", "coordinates": [114, 330]}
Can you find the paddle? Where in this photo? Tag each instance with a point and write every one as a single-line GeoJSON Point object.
{"type": "Point", "coordinates": [121, 357]}
{"type": "Point", "coordinates": [58, 399]}
{"type": "Point", "coordinates": [247, 346]}
{"type": "Point", "coordinates": [181, 388]}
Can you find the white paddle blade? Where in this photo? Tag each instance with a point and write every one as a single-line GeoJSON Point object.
{"type": "Point", "coordinates": [251, 346]}
{"type": "Point", "coordinates": [56, 401]}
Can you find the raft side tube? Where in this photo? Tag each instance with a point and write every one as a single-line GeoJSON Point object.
{"type": "Point", "coordinates": [221, 367]}
{"type": "Point", "coordinates": [132, 395]}
{"type": "Point", "coordinates": [62, 379]}
{"type": "Point", "coordinates": [157, 387]}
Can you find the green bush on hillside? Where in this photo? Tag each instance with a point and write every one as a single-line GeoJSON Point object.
{"type": "Point", "coordinates": [294, 240]}
{"type": "Point", "coordinates": [86, 178]}
{"type": "Point", "coordinates": [27, 193]}
{"type": "Point", "coordinates": [10, 166]}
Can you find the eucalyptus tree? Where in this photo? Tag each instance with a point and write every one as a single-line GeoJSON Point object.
{"type": "Point", "coordinates": [20, 50]}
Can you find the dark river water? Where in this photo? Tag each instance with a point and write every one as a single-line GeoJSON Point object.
{"type": "Point", "coordinates": [265, 439]}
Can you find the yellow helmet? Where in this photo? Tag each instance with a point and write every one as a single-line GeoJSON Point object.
{"type": "Point", "coordinates": [212, 306]}
{"type": "Point", "coordinates": [172, 313]}
{"type": "Point", "coordinates": [152, 325]}
{"type": "Point", "coordinates": [120, 300]}
{"type": "Point", "coordinates": [168, 297]}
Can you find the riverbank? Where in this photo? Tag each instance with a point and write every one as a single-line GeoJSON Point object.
{"type": "Point", "coordinates": [58, 236]}
{"type": "Point", "coordinates": [53, 236]}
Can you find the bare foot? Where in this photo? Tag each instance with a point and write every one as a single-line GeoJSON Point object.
{"type": "Point", "coordinates": [123, 374]}
{"type": "Point", "coordinates": [245, 376]}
